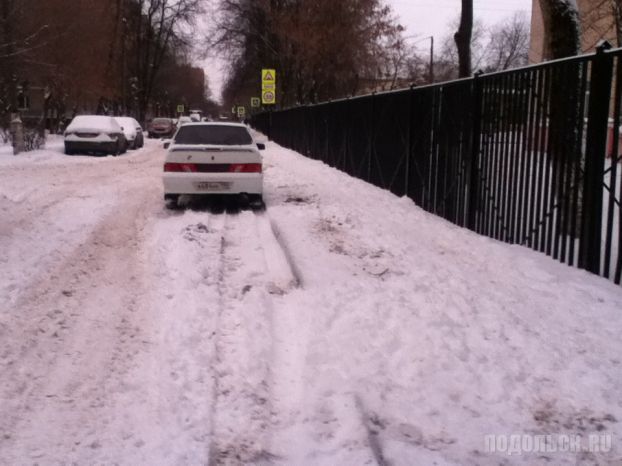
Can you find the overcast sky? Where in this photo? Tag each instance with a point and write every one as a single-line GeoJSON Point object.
{"type": "Point", "coordinates": [421, 18]}
{"type": "Point", "coordinates": [432, 17]}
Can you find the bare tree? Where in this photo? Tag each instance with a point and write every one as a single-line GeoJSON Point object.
{"type": "Point", "coordinates": [321, 48]}
{"type": "Point", "coordinates": [463, 38]}
{"type": "Point", "coordinates": [158, 27]}
{"type": "Point", "coordinates": [502, 46]}
{"type": "Point", "coordinates": [447, 62]}
{"type": "Point", "coordinates": [508, 44]}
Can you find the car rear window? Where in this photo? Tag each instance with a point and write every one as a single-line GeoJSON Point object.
{"type": "Point", "coordinates": [216, 135]}
{"type": "Point", "coordinates": [161, 121]}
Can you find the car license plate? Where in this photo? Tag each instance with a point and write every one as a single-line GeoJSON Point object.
{"type": "Point", "coordinates": [213, 185]}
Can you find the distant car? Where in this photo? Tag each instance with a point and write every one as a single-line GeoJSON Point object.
{"type": "Point", "coordinates": [94, 134]}
{"type": "Point", "coordinates": [161, 128]}
{"type": "Point", "coordinates": [195, 117]}
{"type": "Point", "coordinates": [184, 120]}
{"type": "Point", "coordinates": [132, 131]}
{"type": "Point", "coordinates": [213, 158]}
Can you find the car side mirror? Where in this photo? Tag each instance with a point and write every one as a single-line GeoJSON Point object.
{"type": "Point", "coordinates": [261, 146]}
{"type": "Point", "coordinates": [167, 143]}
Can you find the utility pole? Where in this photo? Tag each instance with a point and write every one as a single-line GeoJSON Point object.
{"type": "Point", "coordinates": [431, 59]}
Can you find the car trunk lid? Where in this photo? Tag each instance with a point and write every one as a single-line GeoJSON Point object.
{"type": "Point", "coordinates": [212, 155]}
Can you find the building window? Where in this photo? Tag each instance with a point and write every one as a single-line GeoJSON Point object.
{"type": "Point", "coordinates": [23, 101]}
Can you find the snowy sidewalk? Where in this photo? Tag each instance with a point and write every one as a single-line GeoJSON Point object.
{"type": "Point", "coordinates": [422, 338]}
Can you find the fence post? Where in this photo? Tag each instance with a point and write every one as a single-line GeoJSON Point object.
{"type": "Point", "coordinates": [409, 138]}
{"type": "Point", "coordinates": [370, 140]}
{"type": "Point", "coordinates": [473, 173]}
{"type": "Point", "coordinates": [596, 146]}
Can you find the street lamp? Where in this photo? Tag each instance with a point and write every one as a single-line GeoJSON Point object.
{"type": "Point", "coordinates": [431, 74]}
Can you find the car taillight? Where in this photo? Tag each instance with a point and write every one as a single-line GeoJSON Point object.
{"type": "Point", "coordinates": [245, 168]}
{"type": "Point", "coordinates": [180, 167]}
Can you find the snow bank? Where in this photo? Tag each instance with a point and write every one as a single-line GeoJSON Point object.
{"type": "Point", "coordinates": [421, 338]}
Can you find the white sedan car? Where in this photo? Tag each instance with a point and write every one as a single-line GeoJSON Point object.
{"type": "Point", "coordinates": [213, 158]}
{"type": "Point", "coordinates": [132, 131]}
{"type": "Point", "coordinates": [94, 134]}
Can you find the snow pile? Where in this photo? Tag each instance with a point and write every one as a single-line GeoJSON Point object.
{"type": "Point", "coordinates": [422, 338]}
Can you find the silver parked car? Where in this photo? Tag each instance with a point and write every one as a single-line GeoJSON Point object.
{"type": "Point", "coordinates": [96, 134]}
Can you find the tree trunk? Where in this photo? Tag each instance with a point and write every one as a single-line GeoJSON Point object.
{"type": "Point", "coordinates": [561, 29]}
{"type": "Point", "coordinates": [562, 39]}
{"type": "Point", "coordinates": [463, 39]}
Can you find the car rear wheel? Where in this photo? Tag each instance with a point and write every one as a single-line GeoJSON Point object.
{"type": "Point", "coordinates": [117, 150]}
{"type": "Point", "coordinates": [171, 201]}
{"type": "Point", "coordinates": [255, 202]}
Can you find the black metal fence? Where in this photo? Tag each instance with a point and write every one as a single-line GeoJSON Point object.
{"type": "Point", "coordinates": [528, 156]}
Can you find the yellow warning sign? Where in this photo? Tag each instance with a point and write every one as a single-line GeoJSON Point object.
{"type": "Point", "coordinates": [268, 86]}
{"type": "Point", "coordinates": [268, 76]}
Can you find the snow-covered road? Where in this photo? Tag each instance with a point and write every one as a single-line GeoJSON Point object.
{"type": "Point", "coordinates": [342, 325]}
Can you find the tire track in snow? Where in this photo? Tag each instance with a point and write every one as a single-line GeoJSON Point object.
{"type": "Point", "coordinates": [66, 209]}
{"type": "Point", "coordinates": [250, 276]}
{"type": "Point", "coordinates": [179, 373]}
{"type": "Point", "coordinates": [68, 379]}
{"type": "Point", "coordinates": [281, 250]}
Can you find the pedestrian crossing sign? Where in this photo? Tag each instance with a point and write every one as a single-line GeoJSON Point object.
{"type": "Point", "coordinates": [268, 76]}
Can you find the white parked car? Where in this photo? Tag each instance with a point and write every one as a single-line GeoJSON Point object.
{"type": "Point", "coordinates": [132, 130]}
{"type": "Point", "coordinates": [94, 134]}
{"type": "Point", "coordinates": [183, 120]}
{"type": "Point", "coordinates": [213, 158]}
